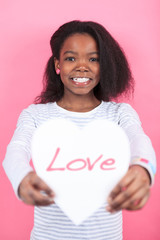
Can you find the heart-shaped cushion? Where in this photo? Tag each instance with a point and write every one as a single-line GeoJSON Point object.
{"type": "Point", "coordinates": [81, 165]}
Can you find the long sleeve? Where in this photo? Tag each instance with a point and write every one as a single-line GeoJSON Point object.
{"type": "Point", "coordinates": [16, 164]}
{"type": "Point", "coordinates": [18, 155]}
{"type": "Point", "coordinates": [142, 152]}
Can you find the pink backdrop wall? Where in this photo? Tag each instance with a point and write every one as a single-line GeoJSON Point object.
{"type": "Point", "coordinates": [26, 27]}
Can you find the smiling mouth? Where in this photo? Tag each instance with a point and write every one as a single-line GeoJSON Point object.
{"type": "Point", "coordinates": [80, 80]}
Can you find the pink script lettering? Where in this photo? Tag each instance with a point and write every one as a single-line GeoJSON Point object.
{"type": "Point", "coordinates": [108, 164]}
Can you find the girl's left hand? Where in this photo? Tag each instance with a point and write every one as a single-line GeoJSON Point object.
{"type": "Point", "coordinates": [132, 192]}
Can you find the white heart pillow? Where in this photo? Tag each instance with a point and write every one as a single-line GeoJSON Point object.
{"type": "Point", "coordinates": [82, 166]}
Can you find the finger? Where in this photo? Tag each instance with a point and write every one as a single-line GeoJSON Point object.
{"type": "Point", "coordinates": [136, 203]}
{"type": "Point", "coordinates": [39, 184]}
{"type": "Point", "coordinates": [125, 196]}
{"type": "Point", "coordinates": [31, 191]}
{"type": "Point", "coordinates": [134, 182]}
{"type": "Point", "coordinates": [129, 201]}
{"type": "Point", "coordinates": [122, 185]}
{"type": "Point", "coordinates": [35, 197]}
{"type": "Point", "coordinates": [126, 193]}
{"type": "Point", "coordinates": [40, 199]}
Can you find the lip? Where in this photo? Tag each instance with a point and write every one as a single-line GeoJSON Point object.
{"type": "Point", "coordinates": [80, 77]}
{"type": "Point", "coordinates": [81, 84]}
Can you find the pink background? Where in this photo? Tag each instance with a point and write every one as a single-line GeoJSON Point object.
{"type": "Point", "coordinates": [25, 29]}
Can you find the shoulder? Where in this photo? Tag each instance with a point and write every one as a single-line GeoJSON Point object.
{"type": "Point", "coordinates": [38, 108]}
{"type": "Point", "coordinates": [118, 108]}
{"type": "Point", "coordinates": [37, 112]}
{"type": "Point", "coordinates": [128, 115]}
{"type": "Point", "coordinates": [122, 112]}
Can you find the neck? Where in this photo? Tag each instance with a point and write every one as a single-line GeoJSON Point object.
{"type": "Point", "coordinates": [79, 103]}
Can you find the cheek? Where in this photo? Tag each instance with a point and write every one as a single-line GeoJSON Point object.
{"type": "Point", "coordinates": [97, 71]}
{"type": "Point", "coordinates": [65, 70]}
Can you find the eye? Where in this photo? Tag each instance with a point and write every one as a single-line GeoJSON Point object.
{"type": "Point", "coordinates": [72, 59]}
{"type": "Point", "coordinates": [94, 59]}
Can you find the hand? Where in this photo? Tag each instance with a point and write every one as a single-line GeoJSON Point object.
{"type": "Point", "coordinates": [31, 188]}
{"type": "Point", "coordinates": [132, 192]}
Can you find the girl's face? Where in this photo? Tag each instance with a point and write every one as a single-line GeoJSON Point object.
{"type": "Point", "coordinates": [79, 64]}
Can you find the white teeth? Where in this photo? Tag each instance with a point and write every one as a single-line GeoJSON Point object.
{"type": "Point", "coordinates": [80, 80]}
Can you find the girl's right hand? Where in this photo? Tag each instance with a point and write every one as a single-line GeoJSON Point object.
{"type": "Point", "coordinates": [34, 191]}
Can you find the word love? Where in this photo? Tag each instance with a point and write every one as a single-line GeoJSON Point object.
{"type": "Point", "coordinates": [108, 164]}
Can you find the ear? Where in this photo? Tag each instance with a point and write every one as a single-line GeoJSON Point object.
{"type": "Point", "coordinates": [56, 64]}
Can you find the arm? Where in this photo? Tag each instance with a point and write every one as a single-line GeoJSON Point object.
{"type": "Point", "coordinates": [26, 184]}
{"type": "Point", "coordinates": [132, 192]}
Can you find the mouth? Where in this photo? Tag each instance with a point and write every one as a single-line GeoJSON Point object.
{"type": "Point", "coordinates": [81, 80]}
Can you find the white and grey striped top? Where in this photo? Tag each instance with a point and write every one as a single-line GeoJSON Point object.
{"type": "Point", "coordinates": [50, 223]}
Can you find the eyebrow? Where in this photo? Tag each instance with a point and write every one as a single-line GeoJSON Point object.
{"type": "Point", "coordinates": [75, 53]}
{"type": "Point", "coordinates": [72, 52]}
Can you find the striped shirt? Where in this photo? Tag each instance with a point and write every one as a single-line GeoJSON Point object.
{"type": "Point", "coordinates": [50, 223]}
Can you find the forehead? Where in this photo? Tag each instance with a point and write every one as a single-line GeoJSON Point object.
{"type": "Point", "coordinates": [80, 41]}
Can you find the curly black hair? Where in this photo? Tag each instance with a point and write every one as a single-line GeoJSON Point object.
{"type": "Point", "coordinates": [115, 73]}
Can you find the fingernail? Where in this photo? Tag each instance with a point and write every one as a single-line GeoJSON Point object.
{"type": "Point", "coordinates": [110, 209]}
{"type": "Point", "coordinates": [136, 202]}
{"type": "Point", "coordinates": [109, 199]}
{"type": "Point", "coordinates": [51, 199]}
{"type": "Point", "coordinates": [123, 189]}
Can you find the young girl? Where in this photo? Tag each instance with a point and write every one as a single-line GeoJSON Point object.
{"type": "Point", "coordinates": [86, 71]}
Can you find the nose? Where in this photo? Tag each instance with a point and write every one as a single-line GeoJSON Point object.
{"type": "Point", "coordinates": [82, 66]}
